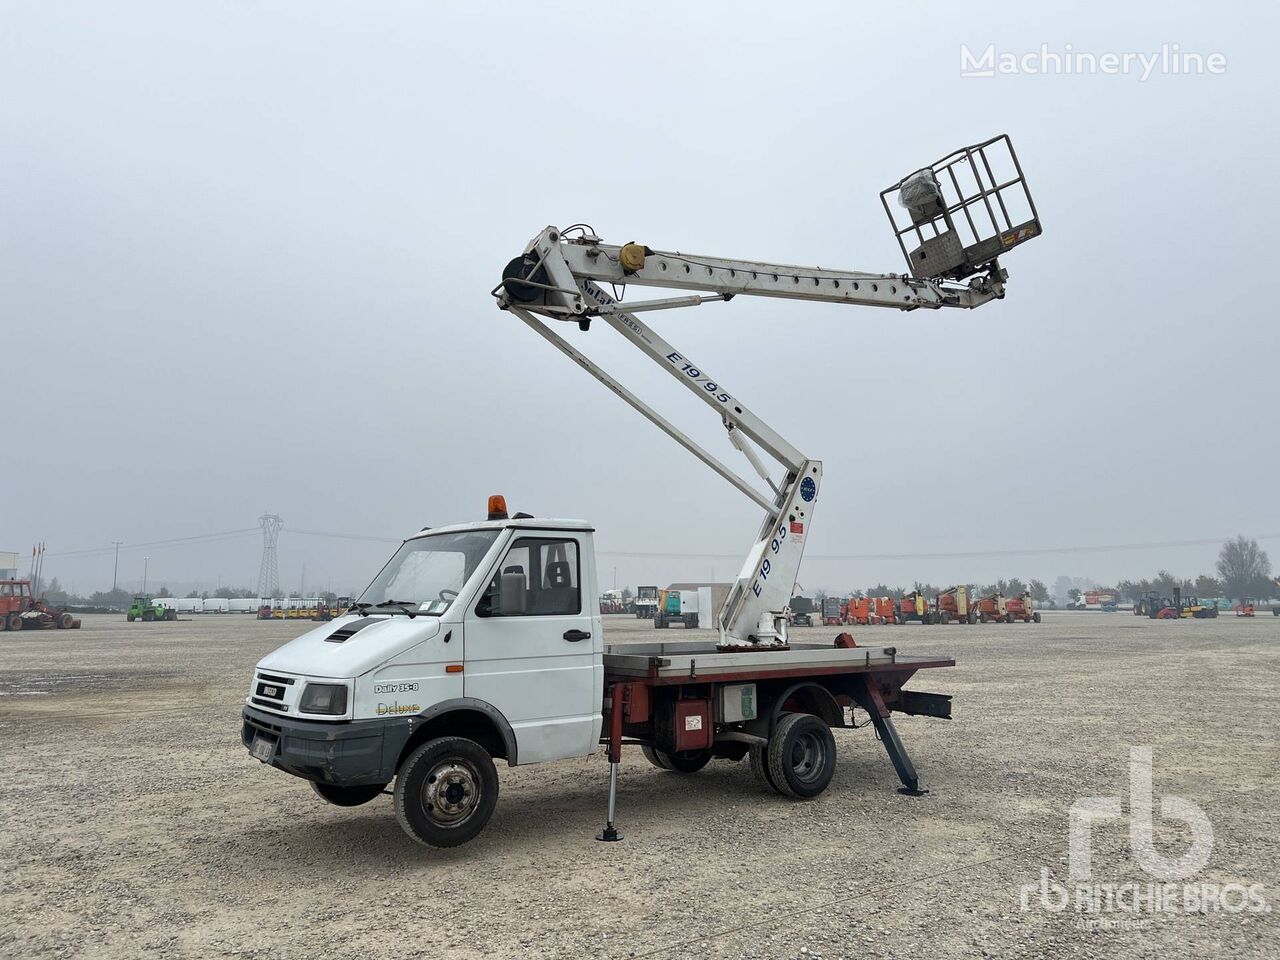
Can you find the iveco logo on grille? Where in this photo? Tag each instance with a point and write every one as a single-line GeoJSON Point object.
{"type": "Point", "coordinates": [267, 690]}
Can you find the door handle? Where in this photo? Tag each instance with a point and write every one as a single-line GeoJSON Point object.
{"type": "Point", "coordinates": [573, 636]}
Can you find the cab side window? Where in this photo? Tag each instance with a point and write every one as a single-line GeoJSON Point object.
{"type": "Point", "coordinates": [538, 577]}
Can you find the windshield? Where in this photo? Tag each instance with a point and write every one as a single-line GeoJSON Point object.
{"type": "Point", "coordinates": [426, 573]}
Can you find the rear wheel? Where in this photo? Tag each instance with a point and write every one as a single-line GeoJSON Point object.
{"type": "Point", "coordinates": [171, 614]}
{"type": "Point", "coordinates": [130, 617]}
{"type": "Point", "coordinates": [347, 796]}
{"type": "Point", "coordinates": [760, 766]}
{"type": "Point", "coordinates": [684, 761]}
{"type": "Point", "coordinates": [446, 791]}
{"type": "Point", "coordinates": [148, 615]}
{"type": "Point", "coordinates": [1036, 616]}
{"type": "Point", "coordinates": [802, 755]}
{"type": "Point", "coordinates": [13, 621]}
{"type": "Point", "coordinates": [64, 621]}
{"type": "Point", "coordinates": [944, 617]}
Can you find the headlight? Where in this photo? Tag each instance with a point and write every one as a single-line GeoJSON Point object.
{"type": "Point", "coordinates": [325, 698]}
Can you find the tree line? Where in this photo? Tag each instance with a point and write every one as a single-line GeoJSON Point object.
{"type": "Point", "coordinates": [1243, 568]}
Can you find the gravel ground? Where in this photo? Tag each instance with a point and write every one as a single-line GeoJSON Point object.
{"type": "Point", "coordinates": [135, 824]}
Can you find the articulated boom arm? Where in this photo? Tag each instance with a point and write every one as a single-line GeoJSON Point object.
{"type": "Point", "coordinates": [553, 266]}
{"type": "Point", "coordinates": [558, 277]}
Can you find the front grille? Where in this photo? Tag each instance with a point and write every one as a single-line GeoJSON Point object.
{"type": "Point", "coordinates": [272, 678]}
{"type": "Point", "coordinates": [272, 691]}
{"type": "Point", "coordinates": [269, 704]}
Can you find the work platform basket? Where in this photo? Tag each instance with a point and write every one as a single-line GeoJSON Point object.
{"type": "Point", "coordinates": [953, 218]}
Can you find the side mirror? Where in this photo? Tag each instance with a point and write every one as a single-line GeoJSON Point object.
{"type": "Point", "coordinates": [512, 594]}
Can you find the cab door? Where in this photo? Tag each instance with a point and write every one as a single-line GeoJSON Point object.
{"type": "Point", "coordinates": [531, 647]}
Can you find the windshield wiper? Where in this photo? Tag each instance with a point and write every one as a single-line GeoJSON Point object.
{"type": "Point", "coordinates": [406, 606]}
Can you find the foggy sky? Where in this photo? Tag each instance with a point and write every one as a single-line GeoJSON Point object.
{"type": "Point", "coordinates": [247, 249]}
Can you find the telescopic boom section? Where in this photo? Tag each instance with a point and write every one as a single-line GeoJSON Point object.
{"type": "Point", "coordinates": [559, 277]}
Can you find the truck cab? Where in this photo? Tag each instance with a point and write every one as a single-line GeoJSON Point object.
{"type": "Point", "coordinates": [486, 631]}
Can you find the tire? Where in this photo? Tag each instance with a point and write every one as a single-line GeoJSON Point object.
{"type": "Point", "coordinates": [13, 621]}
{"type": "Point", "coordinates": [688, 761]}
{"type": "Point", "coordinates": [944, 617]}
{"type": "Point", "coordinates": [148, 616]}
{"type": "Point", "coordinates": [1009, 618]}
{"type": "Point", "coordinates": [171, 614]}
{"type": "Point", "coordinates": [347, 796]}
{"type": "Point", "coordinates": [64, 621]}
{"type": "Point", "coordinates": [802, 755]}
{"type": "Point", "coordinates": [1036, 616]}
{"type": "Point", "coordinates": [446, 791]}
{"type": "Point", "coordinates": [760, 767]}
{"type": "Point", "coordinates": [130, 617]}
{"type": "Point", "coordinates": [973, 616]}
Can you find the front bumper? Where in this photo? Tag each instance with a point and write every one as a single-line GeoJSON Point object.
{"type": "Point", "coordinates": [347, 753]}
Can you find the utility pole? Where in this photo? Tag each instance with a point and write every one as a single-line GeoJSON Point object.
{"type": "Point", "coordinates": [145, 561]}
{"type": "Point", "coordinates": [115, 568]}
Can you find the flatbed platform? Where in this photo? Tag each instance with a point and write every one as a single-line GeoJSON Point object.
{"type": "Point", "coordinates": [680, 661]}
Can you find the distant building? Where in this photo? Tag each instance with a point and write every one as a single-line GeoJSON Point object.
{"type": "Point", "coordinates": [8, 565]}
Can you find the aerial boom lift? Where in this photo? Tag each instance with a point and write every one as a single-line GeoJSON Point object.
{"type": "Point", "coordinates": [950, 247]}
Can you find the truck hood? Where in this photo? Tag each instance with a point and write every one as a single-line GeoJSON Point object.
{"type": "Point", "coordinates": [375, 640]}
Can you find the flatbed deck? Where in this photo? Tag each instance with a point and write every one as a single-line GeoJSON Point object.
{"type": "Point", "coordinates": [681, 661]}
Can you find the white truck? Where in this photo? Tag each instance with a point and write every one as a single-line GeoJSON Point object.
{"type": "Point", "coordinates": [484, 641]}
{"type": "Point", "coordinates": [646, 602]}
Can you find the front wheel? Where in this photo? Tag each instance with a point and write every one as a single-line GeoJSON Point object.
{"type": "Point", "coordinates": [13, 622]}
{"type": "Point", "coordinates": [802, 756]}
{"type": "Point", "coordinates": [446, 792]}
{"type": "Point", "coordinates": [347, 796]}
{"type": "Point", "coordinates": [1036, 617]}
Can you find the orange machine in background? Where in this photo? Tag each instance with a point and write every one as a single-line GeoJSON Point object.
{"type": "Point", "coordinates": [859, 611]}
{"type": "Point", "coordinates": [884, 610]}
{"type": "Point", "coordinates": [1021, 608]}
{"type": "Point", "coordinates": [953, 604]}
{"type": "Point", "coordinates": [914, 606]}
{"type": "Point", "coordinates": [993, 608]}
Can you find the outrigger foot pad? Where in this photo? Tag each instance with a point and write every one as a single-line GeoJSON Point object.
{"type": "Point", "coordinates": [912, 791]}
{"type": "Point", "coordinates": [609, 834]}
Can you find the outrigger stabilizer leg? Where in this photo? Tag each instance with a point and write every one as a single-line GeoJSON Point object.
{"type": "Point", "coordinates": [610, 833]}
{"type": "Point", "coordinates": [871, 700]}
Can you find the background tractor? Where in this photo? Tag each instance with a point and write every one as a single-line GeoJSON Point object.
{"type": "Point", "coordinates": [21, 610]}
{"type": "Point", "coordinates": [144, 608]}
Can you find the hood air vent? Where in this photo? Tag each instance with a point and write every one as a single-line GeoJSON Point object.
{"type": "Point", "coordinates": [346, 632]}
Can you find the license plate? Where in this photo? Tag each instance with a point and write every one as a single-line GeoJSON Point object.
{"type": "Point", "coordinates": [263, 748]}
